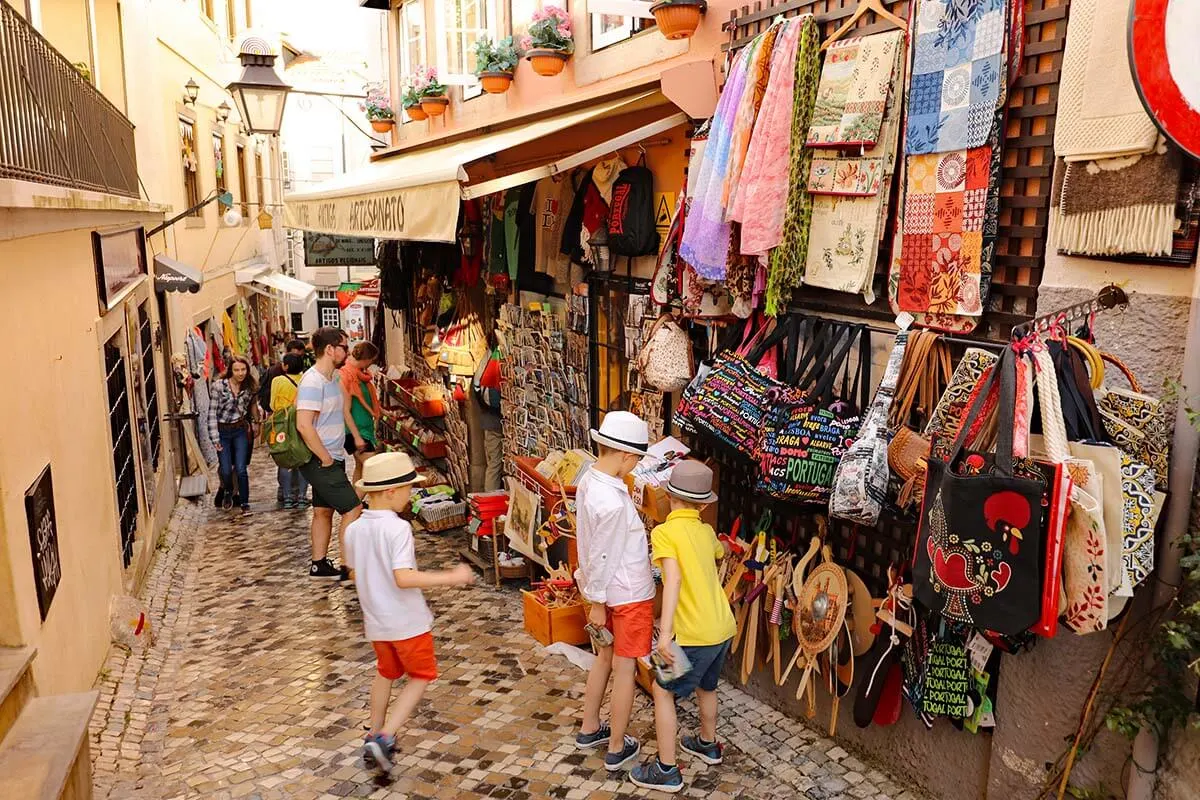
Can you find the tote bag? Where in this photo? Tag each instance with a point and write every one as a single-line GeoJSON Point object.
{"type": "Point", "coordinates": [749, 333]}
{"type": "Point", "coordinates": [975, 563]}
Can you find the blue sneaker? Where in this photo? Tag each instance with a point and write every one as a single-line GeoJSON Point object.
{"type": "Point", "coordinates": [590, 741]}
{"type": "Point", "coordinates": [617, 761]}
{"type": "Point", "coordinates": [708, 752]}
{"type": "Point", "coordinates": [380, 749]}
{"type": "Point", "coordinates": [651, 775]}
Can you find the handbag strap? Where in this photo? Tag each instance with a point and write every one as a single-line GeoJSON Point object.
{"type": "Point", "coordinates": [1081, 426]}
{"type": "Point", "coordinates": [1005, 374]}
{"type": "Point", "coordinates": [846, 336]}
{"type": "Point", "coordinates": [1125, 370]}
{"type": "Point", "coordinates": [1054, 430]}
{"type": "Point", "coordinates": [769, 341]}
{"type": "Point", "coordinates": [925, 373]}
{"type": "Point", "coordinates": [877, 412]}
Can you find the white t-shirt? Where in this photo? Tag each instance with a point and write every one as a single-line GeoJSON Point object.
{"type": "Point", "coordinates": [377, 543]}
{"type": "Point", "coordinates": [614, 558]}
{"type": "Point", "coordinates": [325, 397]}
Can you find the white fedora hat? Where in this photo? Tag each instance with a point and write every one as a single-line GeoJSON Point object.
{"type": "Point", "coordinates": [623, 431]}
{"type": "Point", "coordinates": [387, 471]}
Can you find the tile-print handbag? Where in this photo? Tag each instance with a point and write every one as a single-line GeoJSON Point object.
{"type": "Point", "coordinates": [976, 562]}
{"type": "Point", "coordinates": [810, 426]}
{"type": "Point", "coordinates": [861, 480]}
{"type": "Point", "coordinates": [666, 361]}
{"type": "Point", "coordinates": [1136, 422]}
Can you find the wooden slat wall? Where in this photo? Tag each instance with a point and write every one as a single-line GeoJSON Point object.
{"type": "Point", "coordinates": [1028, 158]}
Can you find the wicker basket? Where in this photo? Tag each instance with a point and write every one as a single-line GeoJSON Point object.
{"type": "Point", "coordinates": [438, 517]}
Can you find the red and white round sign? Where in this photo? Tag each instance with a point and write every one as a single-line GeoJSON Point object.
{"type": "Point", "coordinates": [1165, 55]}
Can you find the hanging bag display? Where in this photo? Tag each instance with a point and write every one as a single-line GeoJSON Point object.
{"type": "Point", "coordinates": [1135, 422]}
{"type": "Point", "coordinates": [631, 230]}
{"type": "Point", "coordinates": [666, 362]}
{"type": "Point", "coordinates": [749, 335]}
{"type": "Point", "coordinates": [977, 559]}
{"type": "Point", "coordinates": [861, 481]}
{"type": "Point", "coordinates": [810, 426]}
{"type": "Point", "coordinates": [924, 375]}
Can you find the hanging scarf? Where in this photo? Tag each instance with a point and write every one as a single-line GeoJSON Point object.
{"type": "Point", "coordinates": [758, 76]}
{"type": "Point", "coordinates": [787, 260]}
{"type": "Point", "coordinates": [353, 379]}
{"type": "Point", "coordinates": [705, 243]}
{"type": "Point", "coordinates": [241, 330]}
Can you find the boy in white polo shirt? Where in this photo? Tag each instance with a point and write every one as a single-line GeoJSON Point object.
{"type": "Point", "coordinates": [614, 577]}
{"type": "Point", "coordinates": [380, 553]}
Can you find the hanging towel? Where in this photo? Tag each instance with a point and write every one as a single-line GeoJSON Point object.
{"type": "Point", "coordinates": [1118, 206]}
{"type": "Point", "coordinates": [1099, 112]}
{"type": "Point", "coordinates": [705, 244]}
{"type": "Point", "coordinates": [958, 65]}
{"type": "Point", "coordinates": [786, 269]}
{"type": "Point", "coordinates": [852, 97]}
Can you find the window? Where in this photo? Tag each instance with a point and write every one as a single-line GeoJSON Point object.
{"type": "Point", "coordinates": [121, 429]}
{"type": "Point", "coordinates": [608, 29]}
{"type": "Point", "coordinates": [191, 180]}
{"type": "Point", "coordinates": [411, 40]}
{"type": "Point", "coordinates": [207, 6]}
{"type": "Point", "coordinates": [260, 181]}
{"type": "Point", "coordinates": [218, 143]}
{"type": "Point", "coordinates": [330, 316]}
{"type": "Point", "coordinates": [243, 181]}
{"type": "Point", "coordinates": [146, 344]}
{"type": "Point", "coordinates": [287, 171]}
{"type": "Point", "coordinates": [464, 22]}
{"type": "Point", "coordinates": [231, 18]}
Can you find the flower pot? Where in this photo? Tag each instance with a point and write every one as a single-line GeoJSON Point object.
{"type": "Point", "coordinates": [678, 19]}
{"type": "Point", "coordinates": [548, 62]}
{"type": "Point", "coordinates": [382, 125]}
{"type": "Point", "coordinates": [416, 113]}
{"type": "Point", "coordinates": [435, 106]}
{"type": "Point", "coordinates": [495, 82]}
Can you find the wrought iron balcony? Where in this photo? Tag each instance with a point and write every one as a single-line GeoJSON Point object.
{"type": "Point", "coordinates": [55, 127]}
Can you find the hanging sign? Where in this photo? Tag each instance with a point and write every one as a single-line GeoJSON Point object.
{"type": "Point", "coordinates": [120, 261]}
{"type": "Point", "coordinates": [326, 250]}
{"type": "Point", "coordinates": [421, 213]}
{"type": "Point", "coordinates": [43, 539]}
{"type": "Point", "coordinates": [1166, 66]}
{"type": "Point", "coordinates": [354, 322]}
{"type": "Point", "coordinates": [664, 208]}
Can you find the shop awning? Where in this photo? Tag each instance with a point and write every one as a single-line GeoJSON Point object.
{"type": "Point", "coordinates": [175, 276]}
{"type": "Point", "coordinates": [415, 195]}
{"type": "Point", "coordinates": [273, 284]}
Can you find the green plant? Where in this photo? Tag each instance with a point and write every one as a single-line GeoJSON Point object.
{"type": "Point", "coordinates": [411, 98]}
{"type": "Point", "coordinates": [83, 69]}
{"type": "Point", "coordinates": [551, 30]}
{"type": "Point", "coordinates": [498, 56]}
{"type": "Point", "coordinates": [378, 104]}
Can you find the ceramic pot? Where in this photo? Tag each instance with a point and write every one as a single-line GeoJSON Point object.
{"type": "Point", "coordinates": [416, 113]}
{"type": "Point", "coordinates": [382, 125]}
{"type": "Point", "coordinates": [678, 19]}
{"type": "Point", "coordinates": [548, 62]}
{"type": "Point", "coordinates": [495, 82]}
{"type": "Point", "coordinates": [435, 106]}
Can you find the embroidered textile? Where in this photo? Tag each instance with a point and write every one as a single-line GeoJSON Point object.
{"type": "Point", "coordinates": [852, 96]}
{"type": "Point", "coordinates": [957, 74]}
{"type": "Point", "coordinates": [847, 177]}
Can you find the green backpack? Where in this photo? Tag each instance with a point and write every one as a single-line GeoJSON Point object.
{"type": "Point", "coordinates": [283, 440]}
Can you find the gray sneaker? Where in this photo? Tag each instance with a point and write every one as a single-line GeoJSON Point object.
{"type": "Point", "coordinates": [708, 752]}
{"type": "Point", "coordinates": [590, 741]}
{"type": "Point", "coordinates": [380, 749]}
{"type": "Point", "coordinates": [618, 761]}
{"type": "Point", "coordinates": [651, 775]}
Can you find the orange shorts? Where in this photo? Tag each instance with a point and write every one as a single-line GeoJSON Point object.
{"type": "Point", "coordinates": [412, 657]}
{"type": "Point", "coordinates": [632, 627]}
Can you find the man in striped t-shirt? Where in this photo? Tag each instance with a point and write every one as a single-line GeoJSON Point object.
{"type": "Point", "coordinates": [321, 422]}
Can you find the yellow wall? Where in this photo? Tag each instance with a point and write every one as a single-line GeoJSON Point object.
{"type": "Point", "coordinates": [65, 24]}
{"type": "Point", "coordinates": [57, 414]}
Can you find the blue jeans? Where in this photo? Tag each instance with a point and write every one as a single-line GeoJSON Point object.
{"type": "Point", "coordinates": [235, 454]}
{"type": "Point", "coordinates": [292, 485]}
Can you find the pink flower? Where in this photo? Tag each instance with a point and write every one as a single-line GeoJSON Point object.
{"type": "Point", "coordinates": [539, 15]}
{"type": "Point", "coordinates": [526, 42]}
{"type": "Point", "coordinates": [564, 31]}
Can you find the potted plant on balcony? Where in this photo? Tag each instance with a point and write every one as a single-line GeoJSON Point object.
{"type": "Point", "coordinates": [549, 43]}
{"type": "Point", "coordinates": [412, 103]}
{"type": "Point", "coordinates": [495, 63]}
{"type": "Point", "coordinates": [678, 19]}
{"type": "Point", "coordinates": [378, 107]}
{"type": "Point", "coordinates": [433, 96]}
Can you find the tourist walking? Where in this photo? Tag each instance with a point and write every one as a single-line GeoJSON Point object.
{"type": "Point", "coordinates": [321, 422]}
{"type": "Point", "coordinates": [293, 488]}
{"type": "Point", "coordinates": [265, 391]}
{"type": "Point", "coordinates": [230, 425]}
{"type": "Point", "coordinates": [361, 404]}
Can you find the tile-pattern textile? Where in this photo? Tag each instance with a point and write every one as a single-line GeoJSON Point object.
{"type": "Point", "coordinates": [1140, 519]}
{"type": "Point", "coordinates": [256, 686]}
{"type": "Point", "coordinates": [786, 269]}
{"type": "Point", "coordinates": [852, 96]}
{"type": "Point", "coordinates": [958, 69]}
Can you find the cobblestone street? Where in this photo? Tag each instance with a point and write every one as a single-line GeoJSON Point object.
{"type": "Point", "coordinates": [256, 686]}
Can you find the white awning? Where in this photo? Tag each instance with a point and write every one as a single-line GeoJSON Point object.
{"type": "Point", "coordinates": [415, 196]}
{"type": "Point", "coordinates": [274, 284]}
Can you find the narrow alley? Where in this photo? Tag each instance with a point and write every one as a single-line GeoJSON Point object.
{"type": "Point", "coordinates": [256, 687]}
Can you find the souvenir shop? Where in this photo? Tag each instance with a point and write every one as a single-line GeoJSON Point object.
{"type": "Point", "coordinates": [828, 291]}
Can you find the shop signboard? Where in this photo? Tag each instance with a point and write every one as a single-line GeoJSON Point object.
{"type": "Point", "coordinates": [120, 261]}
{"type": "Point", "coordinates": [326, 250]}
{"type": "Point", "coordinates": [428, 212]}
{"type": "Point", "coordinates": [43, 539]}
{"type": "Point", "coordinates": [354, 322]}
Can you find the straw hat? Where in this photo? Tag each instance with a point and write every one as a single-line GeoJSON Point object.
{"type": "Point", "coordinates": [388, 471]}
{"type": "Point", "coordinates": [623, 431]}
{"type": "Point", "coordinates": [691, 481]}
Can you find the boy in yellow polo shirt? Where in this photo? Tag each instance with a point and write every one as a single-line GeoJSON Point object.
{"type": "Point", "coordinates": [696, 614]}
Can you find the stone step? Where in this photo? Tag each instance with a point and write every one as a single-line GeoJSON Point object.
{"type": "Point", "coordinates": [16, 684]}
{"type": "Point", "coordinates": [45, 755]}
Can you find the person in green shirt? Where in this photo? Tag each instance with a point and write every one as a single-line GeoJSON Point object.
{"type": "Point", "coordinates": [361, 406]}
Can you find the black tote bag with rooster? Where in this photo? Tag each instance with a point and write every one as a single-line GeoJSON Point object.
{"type": "Point", "coordinates": [979, 548]}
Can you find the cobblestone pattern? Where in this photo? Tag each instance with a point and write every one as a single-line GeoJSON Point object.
{"type": "Point", "coordinates": [257, 686]}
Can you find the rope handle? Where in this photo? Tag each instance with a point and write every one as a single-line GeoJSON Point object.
{"type": "Point", "coordinates": [1125, 370]}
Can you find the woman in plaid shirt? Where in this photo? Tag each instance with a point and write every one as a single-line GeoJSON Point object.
{"type": "Point", "coordinates": [232, 414]}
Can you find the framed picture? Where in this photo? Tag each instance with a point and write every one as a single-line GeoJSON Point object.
{"type": "Point", "coordinates": [120, 259]}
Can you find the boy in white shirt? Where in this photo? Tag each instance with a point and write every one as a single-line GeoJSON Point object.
{"type": "Point", "coordinates": [615, 579]}
{"type": "Point", "coordinates": [380, 553]}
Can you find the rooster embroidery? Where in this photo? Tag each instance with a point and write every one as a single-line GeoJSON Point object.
{"type": "Point", "coordinates": [967, 569]}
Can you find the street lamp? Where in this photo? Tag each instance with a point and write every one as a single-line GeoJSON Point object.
{"type": "Point", "coordinates": [223, 111]}
{"type": "Point", "coordinates": [191, 90]}
{"type": "Point", "coordinates": [259, 94]}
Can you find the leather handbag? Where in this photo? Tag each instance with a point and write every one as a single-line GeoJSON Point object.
{"type": "Point", "coordinates": [1136, 422]}
{"type": "Point", "coordinates": [861, 480]}
{"type": "Point", "coordinates": [666, 362]}
{"type": "Point", "coordinates": [979, 557]}
{"type": "Point", "coordinates": [923, 377]}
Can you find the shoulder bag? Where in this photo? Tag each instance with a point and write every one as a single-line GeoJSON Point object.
{"type": "Point", "coordinates": [665, 362]}
{"type": "Point", "coordinates": [1136, 422]}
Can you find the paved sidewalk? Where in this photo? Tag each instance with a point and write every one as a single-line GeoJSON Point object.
{"type": "Point", "coordinates": [257, 685]}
